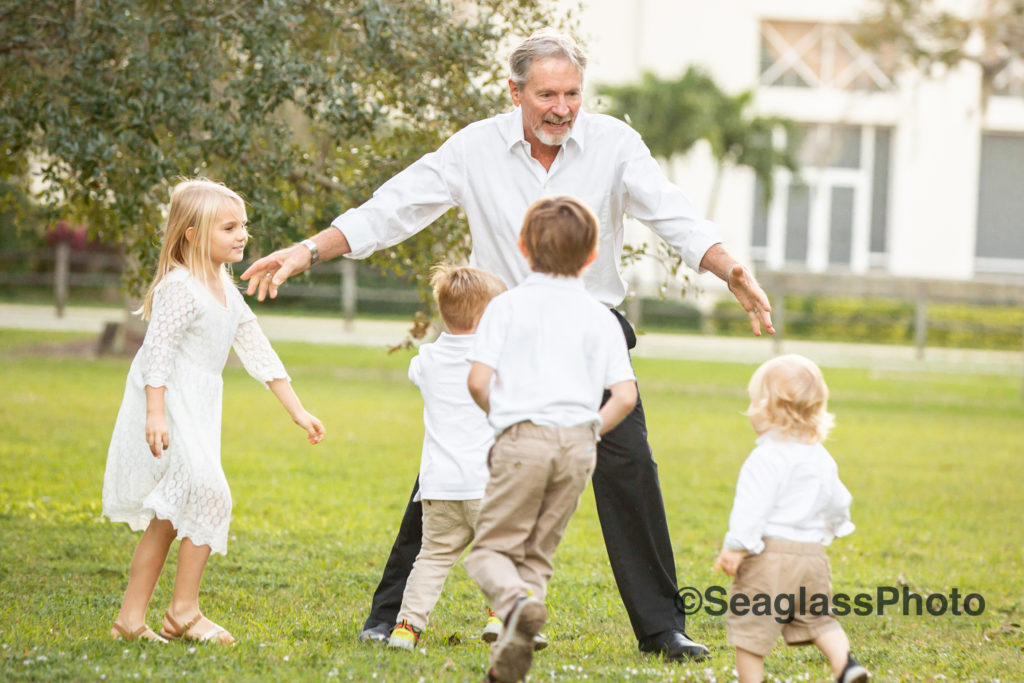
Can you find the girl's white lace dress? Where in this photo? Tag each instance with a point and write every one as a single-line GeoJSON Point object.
{"type": "Point", "coordinates": [187, 343]}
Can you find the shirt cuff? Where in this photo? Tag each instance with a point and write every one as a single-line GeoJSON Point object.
{"type": "Point", "coordinates": [705, 236]}
{"type": "Point", "coordinates": [359, 235]}
{"type": "Point", "coordinates": [735, 543]}
{"type": "Point", "coordinates": [845, 529]}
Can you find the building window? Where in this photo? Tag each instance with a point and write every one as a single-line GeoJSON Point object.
{"type": "Point", "coordinates": [812, 55]}
{"type": "Point", "coordinates": [834, 212]}
{"type": "Point", "coordinates": [1000, 239]}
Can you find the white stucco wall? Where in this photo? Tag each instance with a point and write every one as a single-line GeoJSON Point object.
{"type": "Point", "coordinates": [935, 119]}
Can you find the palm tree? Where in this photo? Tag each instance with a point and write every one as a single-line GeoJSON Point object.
{"type": "Point", "coordinates": [672, 115]}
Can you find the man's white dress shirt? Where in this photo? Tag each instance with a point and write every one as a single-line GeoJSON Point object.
{"type": "Point", "coordinates": [486, 169]}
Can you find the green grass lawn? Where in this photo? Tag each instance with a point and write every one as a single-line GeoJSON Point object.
{"type": "Point", "coordinates": [934, 463]}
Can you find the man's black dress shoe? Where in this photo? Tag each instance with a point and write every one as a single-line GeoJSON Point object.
{"type": "Point", "coordinates": [378, 633]}
{"type": "Point", "coordinates": [674, 646]}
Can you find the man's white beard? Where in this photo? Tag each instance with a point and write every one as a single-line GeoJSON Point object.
{"type": "Point", "coordinates": [549, 139]}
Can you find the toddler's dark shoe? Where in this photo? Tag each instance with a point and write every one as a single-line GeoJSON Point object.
{"type": "Point", "coordinates": [853, 673]}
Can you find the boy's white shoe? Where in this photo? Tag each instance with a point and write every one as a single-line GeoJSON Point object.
{"type": "Point", "coordinates": [513, 653]}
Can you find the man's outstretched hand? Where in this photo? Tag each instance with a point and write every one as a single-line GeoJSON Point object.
{"type": "Point", "coordinates": [750, 295]}
{"type": "Point", "coordinates": [266, 275]}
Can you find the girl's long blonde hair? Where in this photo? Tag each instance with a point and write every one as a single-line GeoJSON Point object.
{"type": "Point", "coordinates": [194, 203]}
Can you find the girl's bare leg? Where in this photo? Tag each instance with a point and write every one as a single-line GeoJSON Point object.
{"type": "Point", "coordinates": [147, 562]}
{"type": "Point", "coordinates": [185, 601]}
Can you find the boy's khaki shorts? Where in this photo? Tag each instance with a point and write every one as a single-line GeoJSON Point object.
{"type": "Point", "coordinates": [782, 568]}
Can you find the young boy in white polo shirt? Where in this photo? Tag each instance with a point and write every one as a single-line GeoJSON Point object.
{"type": "Point", "coordinates": [543, 356]}
{"type": "Point", "coordinates": [457, 437]}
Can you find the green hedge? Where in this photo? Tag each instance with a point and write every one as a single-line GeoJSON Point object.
{"type": "Point", "coordinates": [886, 321]}
{"type": "Point", "coordinates": [878, 321]}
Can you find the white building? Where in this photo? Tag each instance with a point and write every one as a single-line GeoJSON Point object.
{"type": "Point", "coordinates": [901, 172]}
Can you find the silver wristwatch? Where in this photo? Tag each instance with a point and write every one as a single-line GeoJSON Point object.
{"type": "Point", "coordinates": [314, 252]}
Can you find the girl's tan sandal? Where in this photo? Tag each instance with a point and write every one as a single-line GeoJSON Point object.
{"type": "Point", "coordinates": [217, 634]}
{"type": "Point", "coordinates": [143, 633]}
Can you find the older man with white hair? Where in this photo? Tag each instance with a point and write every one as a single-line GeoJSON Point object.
{"type": "Point", "coordinates": [493, 170]}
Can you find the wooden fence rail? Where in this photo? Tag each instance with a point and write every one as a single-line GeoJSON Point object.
{"type": "Point", "coordinates": [65, 269]}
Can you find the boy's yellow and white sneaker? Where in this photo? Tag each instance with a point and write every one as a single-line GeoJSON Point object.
{"type": "Point", "coordinates": [405, 636]}
{"type": "Point", "coordinates": [493, 628]}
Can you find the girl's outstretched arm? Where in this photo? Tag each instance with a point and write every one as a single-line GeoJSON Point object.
{"type": "Point", "coordinates": [282, 388]}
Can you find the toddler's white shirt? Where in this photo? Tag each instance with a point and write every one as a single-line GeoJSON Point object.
{"type": "Point", "coordinates": [456, 435]}
{"type": "Point", "coordinates": [554, 349]}
{"type": "Point", "coordinates": [791, 490]}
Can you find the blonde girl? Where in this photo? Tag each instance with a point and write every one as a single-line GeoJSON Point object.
{"type": "Point", "coordinates": [163, 473]}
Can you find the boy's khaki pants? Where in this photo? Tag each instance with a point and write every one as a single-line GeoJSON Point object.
{"type": "Point", "coordinates": [447, 531]}
{"type": "Point", "coordinates": [537, 476]}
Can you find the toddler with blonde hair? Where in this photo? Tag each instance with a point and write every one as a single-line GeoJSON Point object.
{"type": "Point", "coordinates": [456, 440]}
{"type": "Point", "coordinates": [789, 504]}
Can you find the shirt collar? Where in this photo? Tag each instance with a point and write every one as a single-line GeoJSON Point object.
{"type": "Point", "coordinates": [535, 278]}
{"type": "Point", "coordinates": [449, 338]}
{"type": "Point", "coordinates": [773, 435]}
{"type": "Point", "coordinates": [513, 129]}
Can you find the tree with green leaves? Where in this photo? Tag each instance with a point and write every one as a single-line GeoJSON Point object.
{"type": "Point", "coordinates": [926, 34]}
{"type": "Point", "coordinates": [303, 107]}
